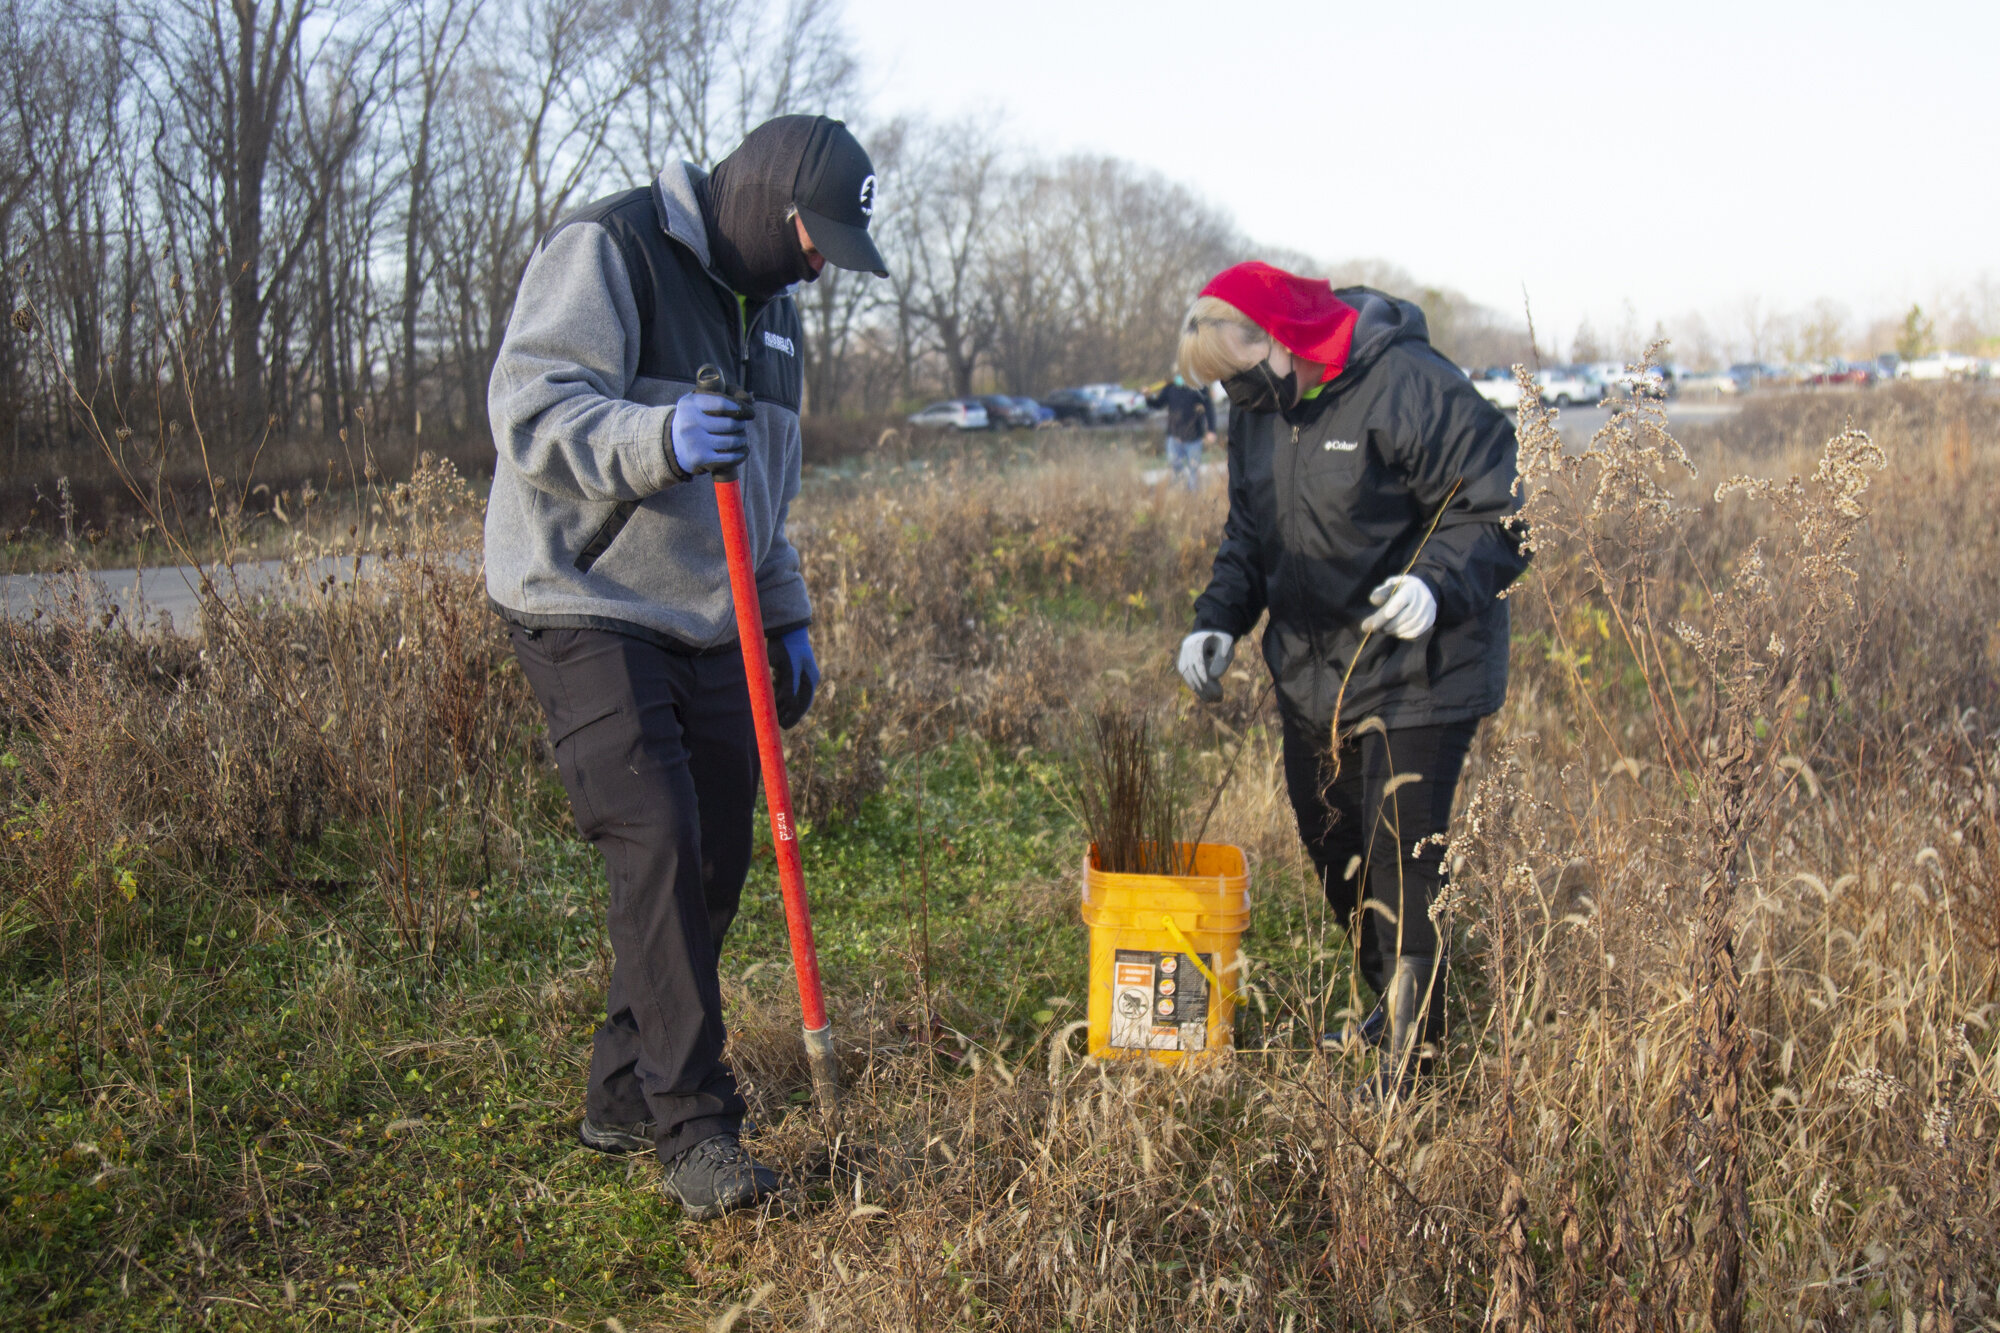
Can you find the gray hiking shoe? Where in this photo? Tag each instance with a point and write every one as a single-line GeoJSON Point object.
{"type": "Point", "coordinates": [615, 1137]}
{"type": "Point", "coordinates": [715, 1177]}
{"type": "Point", "coordinates": [1372, 1031]}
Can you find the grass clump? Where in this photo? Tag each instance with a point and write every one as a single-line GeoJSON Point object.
{"type": "Point", "coordinates": [1133, 795]}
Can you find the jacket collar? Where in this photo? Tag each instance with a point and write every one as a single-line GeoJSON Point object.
{"type": "Point", "coordinates": [679, 209]}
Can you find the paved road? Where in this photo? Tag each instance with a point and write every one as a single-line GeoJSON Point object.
{"type": "Point", "coordinates": [1578, 424]}
{"type": "Point", "coordinates": [151, 599]}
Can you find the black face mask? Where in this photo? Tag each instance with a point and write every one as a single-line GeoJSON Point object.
{"type": "Point", "coordinates": [1258, 390]}
{"type": "Point", "coordinates": [747, 206]}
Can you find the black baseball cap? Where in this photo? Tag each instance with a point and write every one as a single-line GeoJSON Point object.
{"type": "Point", "coordinates": [835, 195]}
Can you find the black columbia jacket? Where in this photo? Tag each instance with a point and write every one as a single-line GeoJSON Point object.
{"type": "Point", "coordinates": [1332, 497]}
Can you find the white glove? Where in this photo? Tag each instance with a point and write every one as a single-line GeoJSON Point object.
{"type": "Point", "coordinates": [1408, 607]}
{"type": "Point", "coordinates": [1205, 656]}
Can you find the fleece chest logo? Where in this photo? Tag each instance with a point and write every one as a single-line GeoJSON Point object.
{"type": "Point", "coordinates": [868, 197]}
{"type": "Point", "coordinates": [778, 344]}
{"type": "Point", "coordinates": [1341, 446]}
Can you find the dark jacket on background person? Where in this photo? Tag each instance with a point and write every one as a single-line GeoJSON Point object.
{"type": "Point", "coordinates": [1331, 497]}
{"type": "Point", "coordinates": [587, 528]}
{"type": "Point", "coordinates": [1189, 413]}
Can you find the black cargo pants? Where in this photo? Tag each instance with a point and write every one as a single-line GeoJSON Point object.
{"type": "Point", "coordinates": [659, 755]}
{"type": "Point", "coordinates": [1367, 839]}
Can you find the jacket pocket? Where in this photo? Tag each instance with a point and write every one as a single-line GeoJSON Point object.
{"type": "Point", "coordinates": [607, 533]}
{"type": "Point", "coordinates": [1411, 666]}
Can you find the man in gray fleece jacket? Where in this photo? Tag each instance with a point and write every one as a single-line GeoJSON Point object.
{"type": "Point", "coordinates": [604, 556]}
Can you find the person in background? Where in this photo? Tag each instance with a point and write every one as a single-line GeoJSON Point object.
{"type": "Point", "coordinates": [1190, 424]}
{"type": "Point", "coordinates": [1370, 488]}
{"type": "Point", "coordinates": [604, 556]}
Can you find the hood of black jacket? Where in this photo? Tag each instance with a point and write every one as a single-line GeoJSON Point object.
{"type": "Point", "coordinates": [1384, 321]}
{"type": "Point", "coordinates": [1381, 322]}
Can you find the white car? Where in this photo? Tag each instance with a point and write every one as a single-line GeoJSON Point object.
{"type": "Point", "coordinates": [1564, 386]}
{"type": "Point", "coordinates": [1128, 402]}
{"type": "Point", "coordinates": [1708, 384]}
{"type": "Point", "coordinates": [1614, 378]}
{"type": "Point", "coordinates": [1939, 366]}
{"type": "Point", "coordinates": [1497, 385]}
{"type": "Point", "coordinates": [963, 413]}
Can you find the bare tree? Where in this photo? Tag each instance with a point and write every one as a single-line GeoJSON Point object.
{"type": "Point", "coordinates": [226, 87]}
{"type": "Point", "coordinates": [337, 191]}
{"type": "Point", "coordinates": [951, 191]}
{"type": "Point", "coordinates": [706, 72]}
{"type": "Point", "coordinates": [1142, 248]}
{"type": "Point", "coordinates": [439, 35]}
{"type": "Point", "coordinates": [1032, 295]}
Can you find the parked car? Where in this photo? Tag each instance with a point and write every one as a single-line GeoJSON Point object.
{"type": "Point", "coordinates": [1563, 386]}
{"type": "Point", "coordinates": [1044, 414]}
{"type": "Point", "coordinates": [1085, 409]}
{"type": "Point", "coordinates": [1004, 413]}
{"type": "Point", "coordinates": [963, 413]}
{"type": "Point", "coordinates": [1709, 384]}
{"type": "Point", "coordinates": [1837, 372]}
{"type": "Point", "coordinates": [1497, 386]}
{"type": "Point", "coordinates": [1127, 402]}
{"type": "Point", "coordinates": [1615, 379]}
{"type": "Point", "coordinates": [1751, 374]}
{"type": "Point", "coordinates": [1939, 366]}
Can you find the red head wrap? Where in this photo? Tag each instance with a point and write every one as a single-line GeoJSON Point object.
{"type": "Point", "coordinates": [1301, 314]}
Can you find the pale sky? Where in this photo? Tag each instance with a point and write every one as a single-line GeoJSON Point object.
{"type": "Point", "coordinates": [1784, 151]}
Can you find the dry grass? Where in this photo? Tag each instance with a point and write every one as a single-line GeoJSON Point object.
{"type": "Point", "coordinates": [1724, 891]}
{"type": "Point", "coordinates": [1724, 888]}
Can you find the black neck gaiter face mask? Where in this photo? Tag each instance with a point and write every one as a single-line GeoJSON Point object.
{"type": "Point", "coordinates": [747, 204]}
{"type": "Point", "coordinates": [1258, 390]}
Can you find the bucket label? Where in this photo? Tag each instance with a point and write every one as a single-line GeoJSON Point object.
{"type": "Point", "coordinates": [1159, 1001]}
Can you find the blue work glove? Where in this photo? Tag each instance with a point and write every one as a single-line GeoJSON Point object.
{"type": "Point", "coordinates": [794, 675]}
{"type": "Point", "coordinates": [708, 435]}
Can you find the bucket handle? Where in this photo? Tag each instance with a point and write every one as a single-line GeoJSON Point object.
{"type": "Point", "coordinates": [1187, 947]}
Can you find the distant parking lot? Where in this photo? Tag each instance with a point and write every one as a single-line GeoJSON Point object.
{"type": "Point", "coordinates": [1579, 423]}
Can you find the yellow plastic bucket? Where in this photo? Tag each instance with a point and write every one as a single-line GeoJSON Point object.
{"type": "Point", "coordinates": [1165, 956]}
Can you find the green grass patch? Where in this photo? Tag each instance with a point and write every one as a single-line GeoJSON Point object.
{"type": "Point", "coordinates": [258, 1112]}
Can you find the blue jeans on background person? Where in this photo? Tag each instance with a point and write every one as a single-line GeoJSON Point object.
{"type": "Point", "coordinates": [1184, 457]}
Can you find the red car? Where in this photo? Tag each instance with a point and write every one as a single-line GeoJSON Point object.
{"type": "Point", "coordinates": [1858, 373]}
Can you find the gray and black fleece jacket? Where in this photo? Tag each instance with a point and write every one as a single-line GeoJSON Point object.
{"type": "Point", "coordinates": [587, 526]}
{"type": "Point", "coordinates": [1336, 494]}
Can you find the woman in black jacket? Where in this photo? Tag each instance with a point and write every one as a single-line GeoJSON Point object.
{"type": "Point", "coordinates": [1369, 491]}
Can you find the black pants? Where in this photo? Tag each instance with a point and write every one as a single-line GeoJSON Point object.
{"type": "Point", "coordinates": [1364, 843]}
{"type": "Point", "coordinates": [659, 755]}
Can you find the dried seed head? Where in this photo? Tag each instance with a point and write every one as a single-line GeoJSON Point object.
{"type": "Point", "coordinates": [1938, 1121]}
{"type": "Point", "coordinates": [1874, 1085]}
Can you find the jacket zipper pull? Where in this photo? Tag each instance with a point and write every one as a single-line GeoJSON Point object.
{"type": "Point", "coordinates": [1295, 435]}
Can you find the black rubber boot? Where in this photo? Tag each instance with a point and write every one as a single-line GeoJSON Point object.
{"type": "Point", "coordinates": [715, 1177]}
{"type": "Point", "coordinates": [615, 1137]}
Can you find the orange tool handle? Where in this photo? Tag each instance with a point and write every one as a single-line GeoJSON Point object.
{"type": "Point", "coordinates": [777, 788]}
